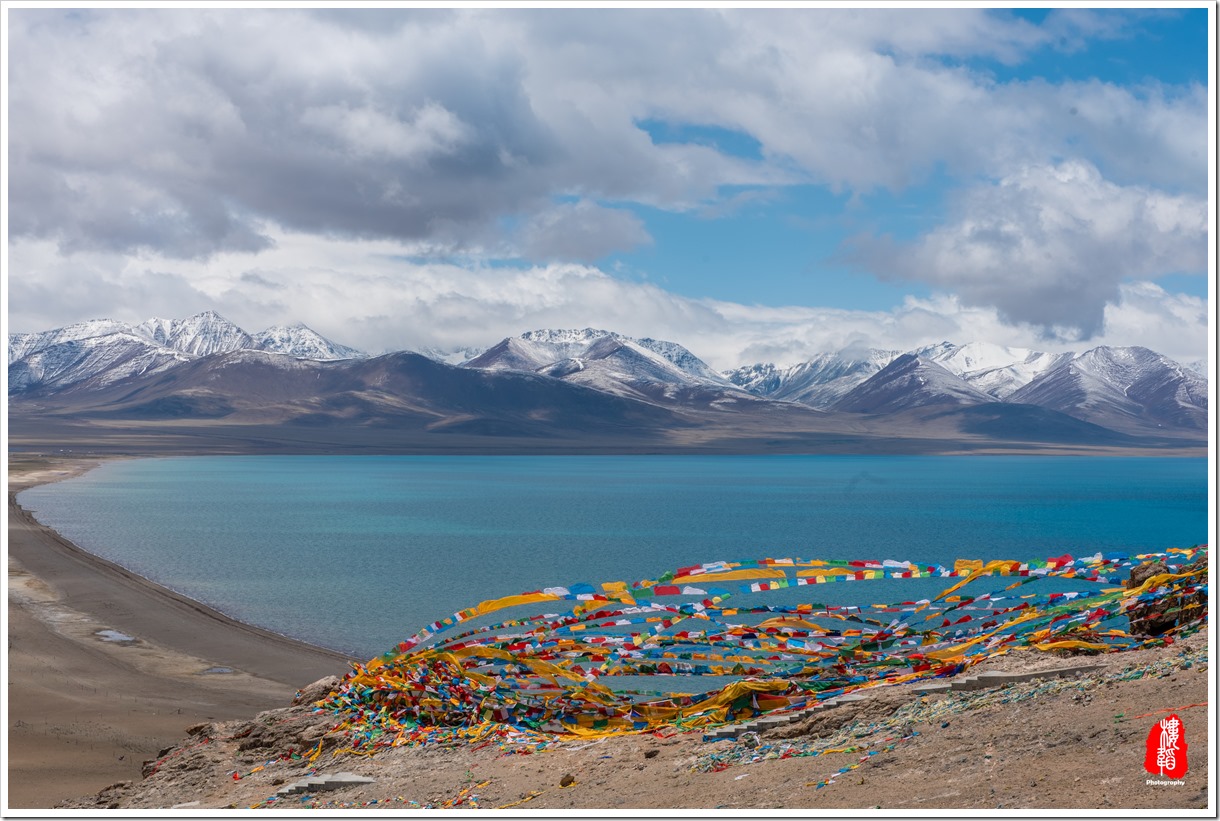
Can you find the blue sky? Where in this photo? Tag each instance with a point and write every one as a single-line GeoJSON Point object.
{"type": "Point", "coordinates": [782, 247]}
{"type": "Point", "coordinates": [757, 184]}
{"type": "Point", "coordinates": [1160, 44]}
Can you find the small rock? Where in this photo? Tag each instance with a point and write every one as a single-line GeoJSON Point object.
{"type": "Point", "coordinates": [651, 753]}
{"type": "Point", "coordinates": [567, 781]}
{"type": "Point", "coordinates": [316, 691]}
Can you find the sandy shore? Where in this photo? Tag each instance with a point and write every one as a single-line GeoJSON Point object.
{"type": "Point", "coordinates": [105, 668]}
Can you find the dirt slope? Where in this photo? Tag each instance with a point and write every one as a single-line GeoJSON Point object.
{"type": "Point", "coordinates": [1071, 743]}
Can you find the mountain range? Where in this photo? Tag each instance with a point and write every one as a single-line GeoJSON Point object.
{"type": "Point", "coordinates": [574, 384]}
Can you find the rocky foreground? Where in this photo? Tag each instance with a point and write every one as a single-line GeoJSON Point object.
{"type": "Point", "coordinates": [1074, 741]}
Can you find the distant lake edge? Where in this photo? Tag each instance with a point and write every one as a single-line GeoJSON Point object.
{"type": "Point", "coordinates": [355, 553]}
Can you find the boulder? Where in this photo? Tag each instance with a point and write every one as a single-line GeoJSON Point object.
{"type": "Point", "coordinates": [317, 691]}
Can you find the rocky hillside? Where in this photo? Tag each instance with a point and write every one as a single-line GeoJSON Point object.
{"type": "Point", "coordinates": [1067, 742]}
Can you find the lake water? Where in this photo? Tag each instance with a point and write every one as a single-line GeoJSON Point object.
{"type": "Point", "coordinates": [357, 553]}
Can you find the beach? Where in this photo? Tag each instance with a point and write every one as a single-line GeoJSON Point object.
{"type": "Point", "coordinates": [108, 671]}
{"type": "Point", "coordinates": [105, 668]}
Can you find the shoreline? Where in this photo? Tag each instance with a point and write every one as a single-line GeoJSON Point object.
{"type": "Point", "coordinates": [78, 573]}
{"type": "Point", "coordinates": [106, 668]}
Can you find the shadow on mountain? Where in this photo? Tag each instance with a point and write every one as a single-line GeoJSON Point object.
{"type": "Point", "coordinates": [1030, 423]}
{"type": "Point", "coordinates": [400, 390]}
{"type": "Point", "coordinates": [173, 407]}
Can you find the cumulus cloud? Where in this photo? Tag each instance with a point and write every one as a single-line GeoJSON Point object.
{"type": "Point", "coordinates": [429, 132]}
{"type": "Point", "coordinates": [582, 231]}
{"type": "Point", "coordinates": [372, 296]}
{"type": "Point", "coordinates": [190, 132]}
{"type": "Point", "coordinates": [185, 132]}
{"type": "Point", "coordinates": [1050, 245]}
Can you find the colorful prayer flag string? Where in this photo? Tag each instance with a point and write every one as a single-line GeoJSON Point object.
{"type": "Point", "coordinates": [523, 681]}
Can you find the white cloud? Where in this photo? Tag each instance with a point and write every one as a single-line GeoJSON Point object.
{"type": "Point", "coordinates": [426, 132]}
{"type": "Point", "coordinates": [370, 295]}
{"type": "Point", "coordinates": [1172, 324]}
{"type": "Point", "coordinates": [582, 231]}
{"type": "Point", "coordinates": [184, 131]}
{"type": "Point", "coordinates": [1050, 245]}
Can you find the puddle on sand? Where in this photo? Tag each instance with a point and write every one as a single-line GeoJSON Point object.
{"type": "Point", "coordinates": [215, 670]}
{"type": "Point", "coordinates": [115, 636]}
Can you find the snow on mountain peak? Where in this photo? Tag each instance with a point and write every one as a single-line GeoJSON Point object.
{"type": "Point", "coordinates": [997, 370]}
{"type": "Point", "coordinates": [1123, 388]}
{"type": "Point", "coordinates": [23, 345]}
{"type": "Point", "coordinates": [100, 351]}
{"type": "Point", "coordinates": [556, 345]}
{"type": "Point", "coordinates": [566, 336]}
{"type": "Point", "coordinates": [1131, 388]}
{"type": "Point", "coordinates": [204, 333]}
{"type": "Point", "coordinates": [302, 342]}
{"type": "Point", "coordinates": [820, 382]}
{"type": "Point", "coordinates": [978, 356]}
{"type": "Point", "coordinates": [451, 356]}
{"type": "Point", "coordinates": [910, 381]}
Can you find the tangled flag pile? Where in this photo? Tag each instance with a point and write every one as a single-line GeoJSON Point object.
{"type": "Point", "coordinates": [546, 675]}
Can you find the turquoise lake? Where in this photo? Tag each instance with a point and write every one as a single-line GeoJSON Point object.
{"type": "Point", "coordinates": [356, 553]}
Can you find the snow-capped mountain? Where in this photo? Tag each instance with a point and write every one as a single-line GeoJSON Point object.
{"type": "Point", "coordinates": [22, 345]}
{"type": "Point", "coordinates": [568, 344]}
{"type": "Point", "coordinates": [102, 360]}
{"type": "Point", "coordinates": [626, 368]}
{"type": "Point", "coordinates": [199, 335]}
{"type": "Point", "coordinates": [910, 381]}
{"type": "Point", "coordinates": [684, 360]}
{"type": "Point", "coordinates": [516, 354]}
{"type": "Point", "coordinates": [648, 369]}
{"type": "Point", "coordinates": [1122, 388]}
{"type": "Point", "coordinates": [1130, 389]}
{"type": "Point", "coordinates": [761, 379]}
{"type": "Point", "coordinates": [303, 343]}
{"type": "Point", "coordinates": [451, 356]}
{"type": "Point", "coordinates": [562, 343]}
{"type": "Point", "coordinates": [819, 383]}
{"type": "Point", "coordinates": [102, 351]}
{"type": "Point", "coordinates": [994, 369]}
{"type": "Point", "coordinates": [989, 389]}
